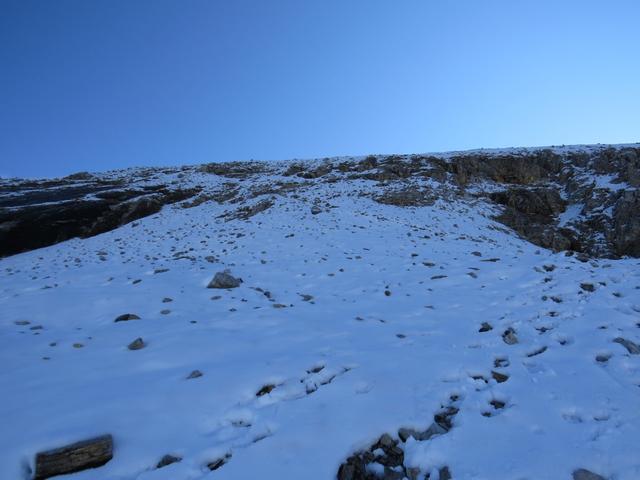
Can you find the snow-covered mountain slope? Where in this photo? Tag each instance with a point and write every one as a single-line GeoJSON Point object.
{"type": "Point", "coordinates": [355, 318]}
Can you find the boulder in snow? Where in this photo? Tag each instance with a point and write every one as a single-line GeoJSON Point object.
{"type": "Point", "coordinates": [224, 280]}
{"type": "Point", "coordinates": [91, 453]}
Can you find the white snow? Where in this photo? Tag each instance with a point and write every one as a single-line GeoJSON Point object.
{"type": "Point", "coordinates": [570, 214]}
{"type": "Point", "coordinates": [388, 361]}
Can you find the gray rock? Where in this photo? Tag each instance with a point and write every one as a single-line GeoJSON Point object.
{"type": "Point", "coordinates": [584, 474]}
{"type": "Point", "coordinates": [587, 287]}
{"type": "Point", "coordinates": [631, 347]}
{"type": "Point", "coordinates": [168, 460]}
{"type": "Point", "coordinates": [194, 374]}
{"type": "Point", "coordinates": [499, 377]}
{"type": "Point", "coordinates": [216, 464]}
{"type": "Point", "coordinates": [126, 317]}
{"type": "Point", "coordinates": [224, 280]}
{"type": "Point", "coordinates": [444, 473]}
{"type": "Point", "coordinates": [434, 429]}
{"type": "Point", "coordinates": [485, 327]}
{"type": "Point", "coordinates": [76, 457]}
{"type": "Point", "coordinates": [509, 336]}
{"type": "Point", "coordinates": [137, 344]}
{"type": "Point", "coordinates": [268, 388]}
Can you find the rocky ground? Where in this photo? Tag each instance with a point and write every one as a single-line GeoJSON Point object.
{"type": "Point", "coordinates": [383, 317]}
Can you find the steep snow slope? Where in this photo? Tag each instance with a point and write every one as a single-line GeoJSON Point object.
{"type": "Point", "coordinates": [390, 335]}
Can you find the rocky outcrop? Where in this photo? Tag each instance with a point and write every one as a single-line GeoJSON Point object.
{"type": "Point", "coordinates": [532, 213]}
{"type": "Point", "coordinates": [73, 458]}
{"type": "Point", "coordinates": [515, 169]}
{"type": "Point", "coordinates": [582, 199]}
{"type": "Point", "coordinates": [625, 235]}
{"type": "Point", "coordinates": [234, 169]}
{"type": "Point", "coordinates": [38, 214]}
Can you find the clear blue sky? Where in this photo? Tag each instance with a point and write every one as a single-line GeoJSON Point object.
{"type": "Point", "coordinates": [101, 84]}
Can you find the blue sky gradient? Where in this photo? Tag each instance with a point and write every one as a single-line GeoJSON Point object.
{"type": "Point", "coordinates": [96, 85]}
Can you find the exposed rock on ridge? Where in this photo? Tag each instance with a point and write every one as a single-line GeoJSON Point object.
{"type": "Point", "coordinates": [578, 199]}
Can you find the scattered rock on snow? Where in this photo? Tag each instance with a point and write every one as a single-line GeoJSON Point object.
{"type": "Point", "coordinates": [194, 374]}
{"type": "Point", "coordinates": [537, 351]}
{"type": "Point", "coordinates": [631, 347]}
{"type": "Point", "coordinates": [168, 460]}
{"type": "Point", "coordinates": [434, 429]}
{"type": "Point", "coordinates": [485, 327]}
{"type": "Point", "coordinates": [509, 336]}
{"type": "Point", "coordinates": [91, 453]}
{"type": "Point", "coordinates": [126, 317]}
{"type": "Point", "coordinates": [587, 287]}
{"type": "Point", "coordinates": [499, 377]}
{"type": "Point", "coordinates": [224, 280]}
{"type": "Point", "coordinates": [216, 464]}
{"type": "Point", "coordinates": [137, 344]}
{"type": "Point", "coordinates": [584, 474]}
{"type": "Point", "coordinates": [265, 389]}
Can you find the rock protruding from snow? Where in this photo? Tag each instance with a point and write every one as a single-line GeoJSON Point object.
{"type": "Point", "coordinates": [584, 474]}
{"type": "Point", "coordinates": [509, 336]}
{"type": "Point", "coordinates": [224, 280]}
{"type": "Point", "coordinates": [91, 453]}
{"type": "Point", "coordinates": [168, 460]}
{"type": "Point", "coordinates": [137, 344]}
{"type": "Point", "coordinates": [126, 317]}
{"type": "Point", "coordinates": [632, 347]}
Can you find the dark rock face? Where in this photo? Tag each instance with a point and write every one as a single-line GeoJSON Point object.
{"type": "Point", "coordinates": [626, 224]}
{"type": "Point", "coordinates": [79, 456]}
{"type": "Point", "coordinates": [532, 213]}
{"type": "Point", "coordinates": [533, 168]}
{"type": "Point", "coordinates": [543, 202]}
{"type": "Point", "coordinates": [39, 214]}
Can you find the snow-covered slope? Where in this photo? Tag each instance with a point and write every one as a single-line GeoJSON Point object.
{"type": "Point", "coordinates": [353, 321]}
